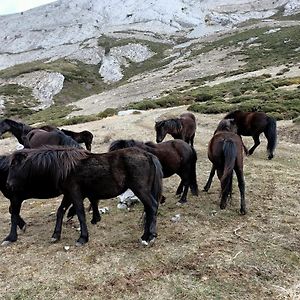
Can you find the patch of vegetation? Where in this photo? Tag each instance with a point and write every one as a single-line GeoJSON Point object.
{"type": "Point", "coordinates": [18, 100]}
{"type": "Point", "coordinates": [245, 94]}
{"type": "Point", "coordinates": [274, 48]}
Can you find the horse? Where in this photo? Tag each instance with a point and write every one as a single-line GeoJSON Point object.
{"type": "Point", "coordinates": [84, 136]}
{"type": "Point", "coordinates": [37, 138]}
{"type": "Point", "coordinates": [225, 151]}
{"type": "Point", "coordinates": [20, 130]}
{"type": "Point", "coordinates": [19, 197]}
{"type": "Point", "coordinates": [183, 128]}
{"type": "Point", "coordinates": [253, 124]}
{"type": "Point", "coordinates": [77, 174]}
{"type": "Point", "coordinates": [176, 157]}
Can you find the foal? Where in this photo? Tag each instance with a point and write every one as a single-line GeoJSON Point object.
{"type": "Point", "coordinates": [182, 128]}
{"type": "Point", "coordinates": [225, 151]}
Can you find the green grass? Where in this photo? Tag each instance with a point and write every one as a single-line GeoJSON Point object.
{"type": "Point", "coordinates": [245, 94]}
{"type": "Point", "coordinates": [274, 49]}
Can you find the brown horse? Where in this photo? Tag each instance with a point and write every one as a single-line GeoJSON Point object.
{"type": "Point", "coordinates": [79, 174]}
{"type": "Point", "coordinates": [37, 138]}
{"type": "Point", "coordinates": [182, 128]}
{"type": "Point", "coordinates": [225, 151]}
{"type": "Point", "coordinates": [20, 130]}
{"type": "Point", "coordinates": [253, 124]}
{"type": "Point", "coordinates": [176, 157]}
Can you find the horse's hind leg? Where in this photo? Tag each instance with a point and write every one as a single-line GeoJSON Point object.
{"type": "Point", "coordinates": [209, 181]}
{"type": "Point", "coordinates": [64, 205]}
{"type": "Point", "coordinates": [150, 207]}
{"type": "Point", "coordinates": [241, 183]}
{"type": "Point", "coordinates": [256, 144]}
{"type": "Point", "coordinates": [192, 140]}
{"type": "Point", "coordinates": [180, 188]}
{"type": "Point", "coordinates": [15, 208]}
{"type": "Point", "coordinates": [96, 215]}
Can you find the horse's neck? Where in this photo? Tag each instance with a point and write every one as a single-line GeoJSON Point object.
{"type": "Point", "coordinates": [17, 130]}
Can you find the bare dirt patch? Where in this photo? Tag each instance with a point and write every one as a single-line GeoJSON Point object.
{"type": "Point", "coordinates": [208, 254]}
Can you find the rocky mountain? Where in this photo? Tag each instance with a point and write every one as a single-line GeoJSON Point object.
{"type": "Point", "coordinates": [45, 50]}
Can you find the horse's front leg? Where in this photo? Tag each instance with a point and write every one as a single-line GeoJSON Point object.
{"type": "Point", "coordinates": [64, 205]}
{"type": "Point", "coordinates": [15, 208]}
{"type": "Point", "coordinates": [209, 181]}
{"type": "Point", "coordinates": [77, 199]}
{"type": "Point", "coordinates": [21, 222]}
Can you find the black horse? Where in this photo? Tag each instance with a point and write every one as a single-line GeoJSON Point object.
{"type": "Point", "coordinates": [78, 174]}
{"type": "Point", "coordinates": [37, 138]}
{"type": "Point", "coordinates": [225, 151]}
{"type": "Point", "coordinates": [19, 197]}
{"type": "Point", "coordinates": [183, 128]}
{"type": "Point", "coordinates": [20, 130]}
{"type": "Point", "coordinates": [253, 124]}
{"type": "Point", "coordinates": [176, 157]}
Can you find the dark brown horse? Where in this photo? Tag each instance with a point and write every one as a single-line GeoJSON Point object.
{"type": "Point", "coordinates": [182, 128]}
{"type": "Point", "coordinates": [84, 136]}
{"type": "Point", "coordinates": [225, 151]}
{"type": "Point", "coordinates": [77, 174]}
{"type": "Point", "coordinates": [37, 138]}
{"type": "Point", "coordinates": [20, 130]}
{"type": "Point", "coordinates": [19, 197]}
{"type": "Point", "coordinates": [176, 157]}
{"type": "Point", "coordinates": [253, 124]}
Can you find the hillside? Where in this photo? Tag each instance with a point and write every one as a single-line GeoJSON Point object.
{"type": "Point", "coordinates": [114, 53]}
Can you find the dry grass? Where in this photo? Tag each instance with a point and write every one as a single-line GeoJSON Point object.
{"type": "Point", "coordinates": [208, 254]}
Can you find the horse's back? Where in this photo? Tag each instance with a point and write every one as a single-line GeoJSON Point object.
{"type": "Point", "coordinates": [215, 146]}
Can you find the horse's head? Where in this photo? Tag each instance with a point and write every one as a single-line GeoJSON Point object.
{"type": "Point", "coordinates": [4, 126]}
{"type": "Point", "coordinates": [16, 175]}
{"type": "Point", "coordinates": [160, 131]}
{"type": "Point", "coordinates": [171, 126]}
{"type": "Point", "coordinates": [227, 125]}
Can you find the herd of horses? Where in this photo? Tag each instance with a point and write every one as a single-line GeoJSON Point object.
{"type": "Point", "coordinates": [53, 163]}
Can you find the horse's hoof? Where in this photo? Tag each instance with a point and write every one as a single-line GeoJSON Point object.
{"type": "Point", "coordinates": [243, 212]}
{"type": "Point", "coordinates": [205, 189]}
{"type": "Point", "coordinates": [81, 241]}
{"type": "Point", "coordinates": [6, 243]}
{"type": "Point", "coordinates": [270, 157]}
{"type": "Point", "coordinates": [151, 242]}
{"type": "Point", "coordinates": [222, 206]}
{"type": "Point", "coordinates": [144, 243]}
{"type": "Point", "coordinates": [54, 240]}
{"type": "Point", "coordinates": [79, 244]}
{"type": "Point", "coordinates": [23, 229]}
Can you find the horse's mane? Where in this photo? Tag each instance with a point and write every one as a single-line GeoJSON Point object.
{"type": "Point", "coordinates": [67, 140]}
{"type": "Point", "coordinates": [225, 125]}
{"type": "Point", "coordinates": [232, 114]}
{"type": "Point", "coordinates": [174, 123]}
{"type": "Point", "coordinates": [4, 162]}
{"type": "Point", "coordinates": [151, 144]}
{"type": "Point", "coordinates": [56, 160]}
{"type": "Point", "coordinates": [121, 144]}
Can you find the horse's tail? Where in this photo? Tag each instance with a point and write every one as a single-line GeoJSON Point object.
{"type": "Point", "coordinates": [193, 176]}
{"type": "Point", "coordinates": [230, 154]}
{"type": "Point", "coordinates": [271, 135]}
{"type": "Point", "coordinates": [156, 189]}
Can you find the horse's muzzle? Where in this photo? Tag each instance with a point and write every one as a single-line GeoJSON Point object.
{"type": "Point", "coordinates": [9, 186]}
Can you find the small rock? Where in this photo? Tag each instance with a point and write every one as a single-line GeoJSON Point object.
{"type": "Point", "coordinates": [66, 248]}
{"type": "Point", "coordinates": [176, 218]}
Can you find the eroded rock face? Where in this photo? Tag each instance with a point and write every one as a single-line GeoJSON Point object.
{"type": "Point", "coordinates": [112, 63]}
{"type": "Point", "coordinates": [44, 85]}
{"type": "Point", "coordinates": [61, 29]}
